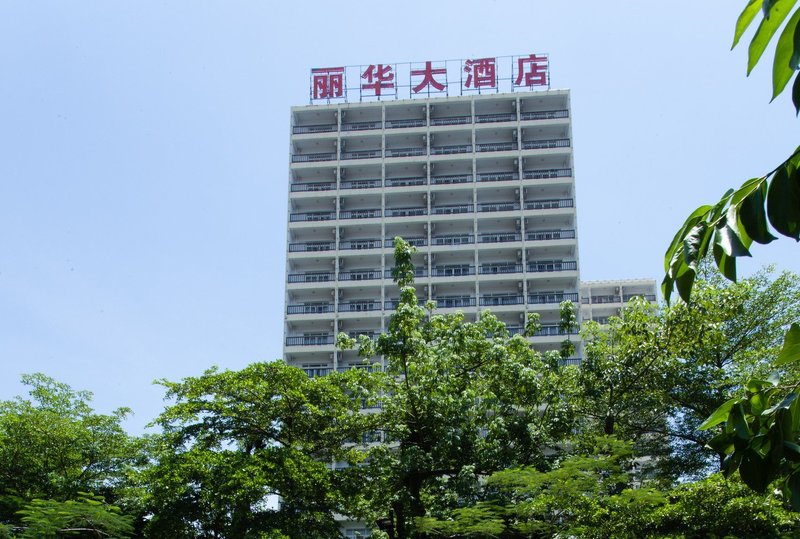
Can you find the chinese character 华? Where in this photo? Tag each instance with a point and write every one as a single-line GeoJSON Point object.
{"type": "Point", "coordinates": [378, 78]}
{"type": "Point", "coordinates": [536, 75]}
{"type": "Point", "coordinates": [327, 82]}
{"type": "Point", "coordinates": [428, 79]}
{"type": "Point", "coordinates": [480, 73]}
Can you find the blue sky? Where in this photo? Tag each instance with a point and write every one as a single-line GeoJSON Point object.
{"type": "Point", "coordinates": [144, 156]}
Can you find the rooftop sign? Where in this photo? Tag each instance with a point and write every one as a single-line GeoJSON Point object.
{"type": "Point", "coordinates": [411, 80]}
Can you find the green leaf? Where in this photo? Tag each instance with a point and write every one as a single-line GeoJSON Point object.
{"type": "Point", "coordinates": [792, 451]}
{"type": "Point", "coordinates": [685, 281]}
{"type": "Point", "coordinates": [794, 61]}
{"type": "Point", "coordinates": [766, 30]}
{"type": "Point", "coordinates": [793, 485]}
{"type": "Point", "coordinates": [755, 471]}
{"type": "Point", "coordinates": [677, 242]}
{"type": "Point", "coordinates": [791, 347]}
{"type": "Point", "coordinates": [796, 94]}
{"type": "Point", "coordinates": [783, 202]}
{"type": "Point", "coordinates": [753, 216]}
{"type": "Point", "coordinates": [782, 69]}
{"type": "Point", "coordinates": [725, 263]}
{"type": "Point", "coordinates": [745, 18]}
{"type": "Point", "coordinates": [720, 415]}
{"type": "Point", "coordinates": [739, 422]}
{"type": "Point", "coordinates": [766, 6]}
{"type": "Point", "coordinates": [728, 236]}
{"type": "Point", "coordinates": [785, 404]}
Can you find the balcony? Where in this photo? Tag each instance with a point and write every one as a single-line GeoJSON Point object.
{"type": "Point", "coordinates": [497, 300]}
{"type": "Point", "coordinates": [500, 268]}
{"type": "Point", "coordinates": [399, 124]}
{"type": "Point", "coordinates": [449, 209]}
{"type": "Point", "coordinates": [313, 157]}
{"type": "Point", "coordinates": [454, 302]}
{"type": "Point", "coordinates": [355, 333]}
{"type": "Point", "coordinates": [492, 118]}
{"type": "Point", "coordinates": [361, 126]}
{"type": "Point", "coordinates": [545, 144]}
{"type": "Point", "coordinates": [418, 272]}
{"type": "Point", "coordinates": [295, 217]}
{"type": "Point", "coordinates": [496, 147]}
{"type": "Point", "coordinates": [362, 154]}
{"type": "Point", "coordinates": [499, 237]}
{"type": "Point", "coordinates": [310, 340]}
{"type": "Point", "coordinates": [553, 330]}
{"type": "Point", "coordinates": [359, 306]}
{"type": "Point", "coordinates": [451, 179]}
{"type": "Point", "coordinates": [497, 176]}
{"type": "Point", "coordinates": [551, 204]}
{"type": "Point", "coordinates": [359, 214]}
{"type": "Point", "coordinates": [357, 245]}
{"type": "Point", "coordinates": [453, 239]}
{"type": "Point", "coordinates": [456, 270]}
{"type": "Point", "coordinates": [606, 298]}
{"type": "Point", "coordinates": [317, 186]}
{"type": "Point", "coordinates": [498, 206]}
{"type": "Point", "coordinates": [406, 212]}
{"type": "Point", "coordinates": [392, 304]}
{"type": "Point", "coordinates": [311, 277]}
{"type": "Point", "coordinates": [406, 182]}
{"type": "Point", "coordinates": [405, 152]}
{"type": "Point", "coordinates": [360, 184]}
{"type": "Point", "coordinates": [648, 297]}
{"type": "Point", "coordinates": [515, 330]}
{"type": "Point", "coordinates": [553, 297]}
{"type": "Point", "coordinates": [360, 275]}
{"type": "Point", "coordinates": [570, 362]}
{"type": "Point", "coordinates": [315, 372]}
{"type": "Point", "coordinates": [449, 150]}
{"type": "Point", "coordinates": [545, 235]}
{"type": "Point", "coordinates": [547, 173]}
{"type": "Point", "coordinates": [415, 241]}
{"type": "Point", "coordinates": [304, 129]}
{"type": "Point", "coordinates": [310, 308]}
{"type": "Point", "coordinates": [556, 265]}
{"type": "Point", "coordinates": [451, 120]}
{"type": "Point", "coordinates": [544, 115]}
{"type": "Point", "coordinates": [311, 246]}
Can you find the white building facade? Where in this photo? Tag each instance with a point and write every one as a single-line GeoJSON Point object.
{"type": "Point", "coordinates": [482, 185]}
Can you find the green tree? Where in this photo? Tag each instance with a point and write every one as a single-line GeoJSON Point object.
{"type": "Point", "coordinates": [54, 446]}
{"type": "Point", "coordinates": [251, 453]}
{"type": "Point", "coordinates": [460, 400]}
{"type": "Point", "coordinates": [86, 516]}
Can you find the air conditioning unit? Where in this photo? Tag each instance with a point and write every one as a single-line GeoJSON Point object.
{"type": "Point", "coordinates": [343, 144]}
{"type": "Point", "coordinates": [517, 224]}
{"type": "Point", "coordinates": [521, 317]}
{"type": "Point", "coordinates": [515, 161]}
{"type": "Point", "coordinates": [616, 290]}
{"type": "Point", "coordinates": [331, 356]}
{"type": "Point", "coordinates": [519, 285]}
{"type": "Point", "coordinates": [344, 112]}
{"type": "Point", "coordinates": [425, 289]}
{"type": "Point", "coordinates": [519, 254]}
{"type": "Point", "coordinates": [425, 167]}
{"type": "Point", "coordinates": [424, 138]}
{"type": "Point", "coordinates": [516, 192]}
{"type": "Point", "coordinates": [333, 324]}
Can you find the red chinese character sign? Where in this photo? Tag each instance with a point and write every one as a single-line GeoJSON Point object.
{"type": "Point", "coordinates": [327, 83]}
{"type": "Point", "coordinates": [481, 73]}
{"type": "Point", "coordinates": [379, 81]}
{"type": "Point", "coordinates": [431, 80]}
{"type": "Point", "coordinates": [530, 71]}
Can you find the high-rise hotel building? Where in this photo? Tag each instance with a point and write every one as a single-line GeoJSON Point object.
{"type": "Point", "coordinates": [482, 185]}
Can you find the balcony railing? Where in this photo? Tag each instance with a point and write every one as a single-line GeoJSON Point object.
{"type": "Point", "coordinates": [313, 157]}
{"type": "Point", "coordinates": [398, 124]}
{"type": "Point", "coordinates": [515, 330]}
{"type": "Point", "coordinates": [310, 340]}
{"type": "Point", "coordinates": [570, 362]}
{"type": "Point", "coordinates": [550, 204]}
{"type": "Point", "coordinates": [547, 173]}
{"type": "Point", "coordinates": [496, 147]}
{"type": "Point", "coordinates": [544, 235]}
{"type": "Point", "coordinates": [302, 129]}
{"type": "Point", "coordinates": [553, 330]}
{"type": "Point", "coordinates": [448, 209]}
{"type": "Point", "coordinates": [355, 333]}
{"type": "Point", "coordinates": [501, 299]}
{"type": "Point", "coordinates": [360, 184]}
{"type": "Point", "coordinates": [545, 144]}
{"type": "Point", "coordinates": [361, 126]}
{"type": "Point", "coordinates": [315, 372]}
{"type": "Point", "coordinates": [491, 118]}
{"type": "Point", "coordinates": [405, 152]}
{"type": "Point", "coordinates": [362, 154]}
{"type": "Point", "coordinates": [544, 115]}
{"type": "Point", "coordinates": [391, 304]}
{"type": "Point", "coordinates": [448, 150]}
{"type": "Point", "coordinates": [648, 297]}
{"type": "Point", "coordinates": [418, 272]}
{"type": "Point", "coordinates": [451, 179]}
{"type": "Point", "coordinates": [496, 269]}
{"type": "Point", "coordinates": [316, 186]}
{"type": "Point", "coordinates": [405, 212]}
{"type": "Point", "coordinates": [556, 297]}
{"type": "Point", "coordinates": [498, 206]}
{"type": "Point", "coordinates": [607, 298]}
{"type": "Point", "coordinates": [311, 246]}
{"type": "Point", "coordinates": [312, 216]}
{"type": "Point", "coordinates": [360, 244]}
{"type": "Point", "coordinates": [556, 265]}
{"type": "Point", "coordinates": [497, 176]}
{"type": "Point", "coordinates": [359, 306]}
{"type": "Point", "coordinates": [454, 302]}
{"type": "Point", "coordinates": [415, 241]}
{"type": "Point", "coordinates": [359, 275]}
{"type": "Point", "coordinates": [453, 239]}
{"type": "Point", "coordinates": [405, 182]}
{"type": "Point", "coordinates": [451, 120]}
{"type": "Point", "coordinates": [309, 308]}
{"type": "Point", "coordinates": [499, 237]}
{"type": "Point", "coordinates": [311, 277]}
{"type": "Point", "coordinates": [359, 214]}
{"type": "Point", "coordinates": [453, 271]}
